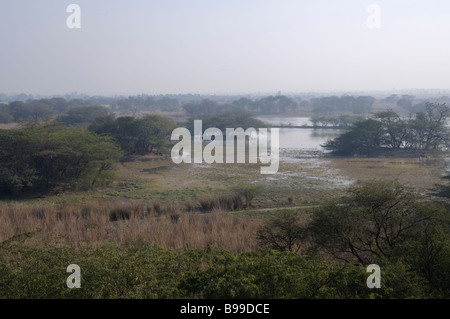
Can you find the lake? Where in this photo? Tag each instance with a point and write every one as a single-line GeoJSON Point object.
{"type": "Point", "coordinates": [294, 142]}
{"type": "Point", "coordinates": [300, 139]}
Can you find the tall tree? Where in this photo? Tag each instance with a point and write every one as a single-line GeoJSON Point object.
{"type": "Point", "coordinates": [137, 136]}
{"type": "Point", "coordinates": [371, 223]}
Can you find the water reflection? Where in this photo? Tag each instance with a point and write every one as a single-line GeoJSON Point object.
{"type": "Point", "coordinates": [293, 141]}
{"type": "Point", "coordinates": [302, 139]}
{"type": "Point", "coordinates": [287, 121]}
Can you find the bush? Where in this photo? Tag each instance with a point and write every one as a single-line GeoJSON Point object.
{"type": "Point", "coordinates": [142, 270]}
{"type": "Point", "coordinates": [248, 193]}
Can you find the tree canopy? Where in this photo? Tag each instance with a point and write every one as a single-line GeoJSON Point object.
{"type": "Point", "coordinates": [83, 115]}
{"type": "Point", "coordinates": [137, 136]}
{"type": "Point", "coordinates": [229, 120]}
{"type": "Point", "coordinates": [42, 157]}
{"type": "Point", "coordinates": [387, 130]}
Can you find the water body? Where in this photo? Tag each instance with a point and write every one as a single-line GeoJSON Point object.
{"type": "Point", "coordinates": [300, 139]}
{"type": "Point", "coordinates": [301, 151]}
{"type": "Point", "coordinates": [295, 142]}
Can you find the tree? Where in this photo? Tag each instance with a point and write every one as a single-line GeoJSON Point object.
{"type": "Point", "coordinates": [226, 120]}
{"type": "Point", "coordinates": [40, 110]}
{"type": "Point", "coordinates": [244, 103]}
{"type": "Point", "coordinates": [41, 157]}
{"type": "Point", "coordinates": [393, 98]}
{"type": "Point", "coordinates": [429, 254]}
{"type": "Point", "coordinates": [150, 134]}
{"type": "Point", "coordinates": [363, 138]}
{"type": "Point", "coordinates": [428, 130]}
{"type": "Point", "coordinates": [209, 108]}
{"type": "Point", "coordinates": [58, 104]}
{"type": "Point", "coordinates": [282, 232]}
{"type": "Point", "coordinates": [20, 110]}
{"type": "Point", "coordinates": [83, 115]}
{"type": "Point", "coordinates": [395, 129]}
{"type": "Point", "coordinates": [5, 114]}
{"type": "Point", "coordinates": [373, 222]}
{"type": "Point", "coordinates": [405, 101]}
{"type": "Point", "coordinates": [74, 156]}
{"type": "Point", "coordinates": [16, 170]}
{"type": "Point", "coordinates": [324, 110]}
{"type": "Point", "coordinates": [363, 104]}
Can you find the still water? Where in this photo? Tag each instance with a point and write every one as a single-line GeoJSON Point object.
{"type": "Point", "coordinates": [294, 142]}
{"type": "Point", "coordinates": [301, 139]}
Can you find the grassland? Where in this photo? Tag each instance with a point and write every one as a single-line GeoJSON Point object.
{"type": "Point", "coordinates": [160, 201]}
{"type": "Point", "coordinates": [148, 236]}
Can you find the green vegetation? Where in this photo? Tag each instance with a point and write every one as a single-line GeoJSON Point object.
{"type": "Point", "coordinates": [321, 255]}
{"type": "Point", "coordinates": [148, 271]}
{"type": "Point", "coordinates": [248, 192]}
{"type": "Point", "coordinates": [137, 135]}
{"type": "Point", "coordinates": [215, 232]}
{"type": "Point", "coordinates": [388, 131]}
{"type": "Point", "coordinates": [384, 223]}
{"type": "Point", "coordinates": [41, 157]}
{"type": "Point", "coordinates": [229, 120]}
{"type": "Point", "coordinates": [207, 108]}
{"type": "Point", "coordinates": [330, 105]}
{"type": "Point", "coordinates": [282, 232]}
{"type": "Point", "coordinates": [341, 121]}
{"type": "Point", "coordinates": [268, 105]}
{"type": "Point", "coordinates": [83, 115]}
{"type": "Point", "coordinates": [32, 109]}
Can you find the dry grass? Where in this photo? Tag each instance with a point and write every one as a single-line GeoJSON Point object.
{"type": "Point", "coordinates": [9, 126]}
{"type": "Point", "coordinates": [421, 174]}
{"type": "Point", "coordinates": [123, 222]}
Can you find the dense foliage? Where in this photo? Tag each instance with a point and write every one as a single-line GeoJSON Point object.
{"type": "Point", "coordinates": [387, 130]}
{"type": "Point", "coordinates": [385, 223]}
{"type": "Point", "coordinates": [83, 115]}
{"type": "Point", "coordinates": [139, 136]}
{"type": "Point", "coordinates": [147, 271]}
{"type": "Point", "coordinates": [382, 222]}
{"type": "Point", "coordinates": [268, 105]}
{"type": "Point", "coordinates": [40, 157]}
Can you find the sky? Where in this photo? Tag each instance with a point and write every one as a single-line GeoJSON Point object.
{"type": "Point", "coordinates": [223, 46]}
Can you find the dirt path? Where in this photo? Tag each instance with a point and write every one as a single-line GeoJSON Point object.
{"type": "Point", "coordinates": [271, 209]}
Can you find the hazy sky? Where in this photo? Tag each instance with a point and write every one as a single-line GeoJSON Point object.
{"type": "Point", "coordinates": [222, 46]}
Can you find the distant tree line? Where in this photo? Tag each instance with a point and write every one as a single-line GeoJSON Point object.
{"type": "Point", "coordinates": [36, 109]}
{"type": "Point", "coordinates": [387, 130]}
{"type": "Point", "coordinates": [29, 108]}
{"type": "Point", "coordinates": [268, 105]}
{"type": "Point", "coordinates": [341, 121]}
{"type": "Point", "coordinates": [331, 104]}
{"type": "Point", "coordinates": [226, 120]}
{"type": "Point", "coordinates": [207, 107]}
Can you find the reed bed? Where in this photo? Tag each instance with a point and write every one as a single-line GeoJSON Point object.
{"type": "Point", "coordinates": [123, 222]}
